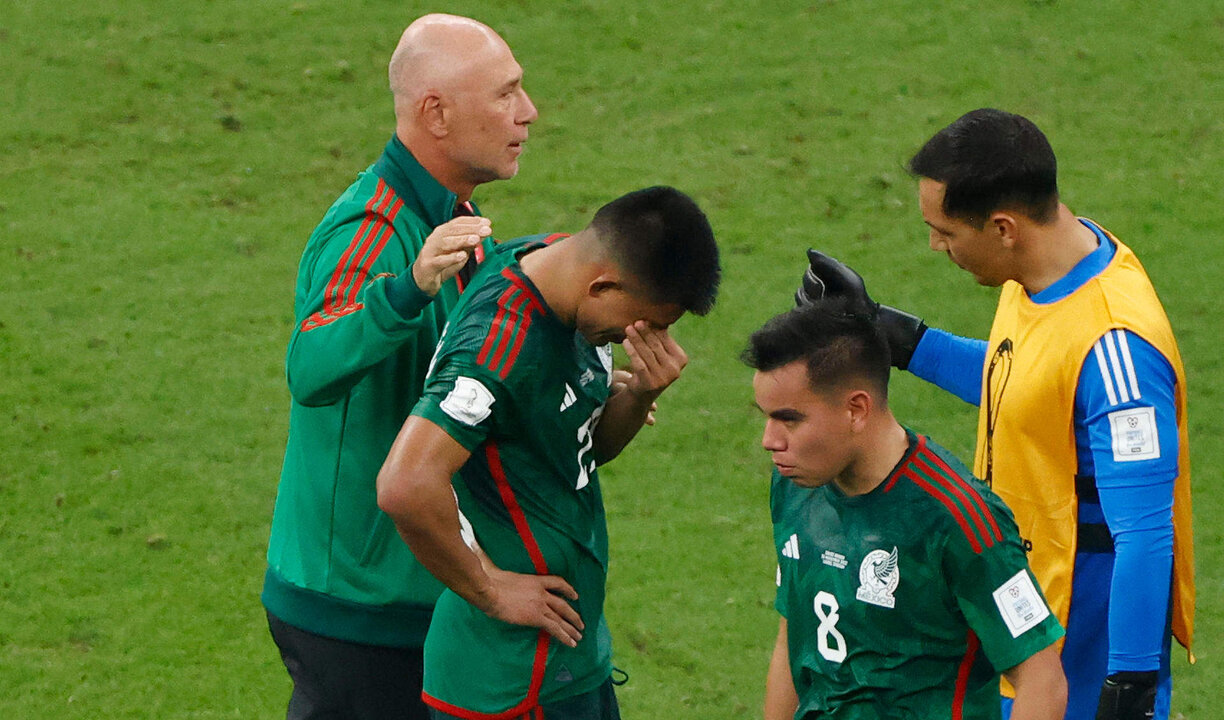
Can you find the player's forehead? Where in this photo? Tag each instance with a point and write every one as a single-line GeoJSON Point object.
{"type": "Point", "coordinates": [783, 387]}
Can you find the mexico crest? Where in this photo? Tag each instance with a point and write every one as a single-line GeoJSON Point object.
{"type": "Point", "coordinates": [878, 578]}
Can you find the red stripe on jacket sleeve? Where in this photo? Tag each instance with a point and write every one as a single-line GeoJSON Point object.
{"type": "Point", "coordinates": [340, 295]}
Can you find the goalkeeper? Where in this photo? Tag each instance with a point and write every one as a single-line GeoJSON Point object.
{"type": "Point", "coordinates": [1082, 425]}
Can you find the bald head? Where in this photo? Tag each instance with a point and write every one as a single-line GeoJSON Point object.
{"type": "Point", "coordinates": [437, 52]}
{"type": "Point", "coordinates": [460, 106]}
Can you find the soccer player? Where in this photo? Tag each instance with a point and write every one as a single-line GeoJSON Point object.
{"type": "Point", "coordinates": [1082, 426]}
{"type": "Point", "coordinates": [902, 583]}
{"type": "Point", "coordinates": [518, 404]}
{"type": "Point", "coordinates": [347, 603]}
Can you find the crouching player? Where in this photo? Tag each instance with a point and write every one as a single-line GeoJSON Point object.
{"type": "Point", "coordinates": [902, 583]}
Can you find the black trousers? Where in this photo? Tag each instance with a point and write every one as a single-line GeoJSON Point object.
{"type": "Point", "coordinates": [340, 680]}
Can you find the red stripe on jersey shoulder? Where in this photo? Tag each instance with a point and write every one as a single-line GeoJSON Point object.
{"type": "Point", "coordinates": [517, 306]}
{"type": "Point", "coordinates": [892, 479]}
{"type": "Point", "coordinates": [511, 334]}
{"type": "Point", "coordinates": [970, 501]}
{"type": "Point", "coordinates": [949, 503]}
{"type": "Point", "coordinates": [948, 472]}
{"type": "Point", "coordinates": [537, 303]}
{"type": "Point", "coordinates": [962, 676]}
{"type": "Point", "coordinates": [340, 295]}
{"type": "Point", "coordinates": [534, 306]}
{"type": "Point", "coordinates": [501, 319]}
{"type": "Point", "coordinates": [554, 238]}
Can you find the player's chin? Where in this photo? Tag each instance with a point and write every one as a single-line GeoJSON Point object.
{"type": "Point", "coordinates": [790, 472]}
{"type": "Point", "coordinates": [801, 478]}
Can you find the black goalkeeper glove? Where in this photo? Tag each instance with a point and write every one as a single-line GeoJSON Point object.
{"type": "Point", "coordinates": [829, 277]}
{"type": "Point", "coordinates": [1128, 696]}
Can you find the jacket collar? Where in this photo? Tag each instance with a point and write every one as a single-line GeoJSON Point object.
{"type": "Point", "coordinates": [430, 201]}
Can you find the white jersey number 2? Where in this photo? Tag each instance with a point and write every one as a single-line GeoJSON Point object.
{"type": "Point", "coordinates": [586, 441]}
{"type": "Point", "coordinates": [829, 641]}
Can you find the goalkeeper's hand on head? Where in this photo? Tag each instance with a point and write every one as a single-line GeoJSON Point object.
{"type": "Point", "coordinates": [1128, 696]}
{"type": "Point", "coordinates": [829, 277]}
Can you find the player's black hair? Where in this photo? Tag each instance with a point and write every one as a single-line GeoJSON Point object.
{"type": "Point", "coordinates": [835, 337]}
{"type": "Point", "coordinates": [991, 160]}
{"type": "Point", "coordinates": [662, 239]}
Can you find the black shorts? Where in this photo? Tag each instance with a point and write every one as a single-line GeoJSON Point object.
{"type": "Point", "coordinates": [341, 680]}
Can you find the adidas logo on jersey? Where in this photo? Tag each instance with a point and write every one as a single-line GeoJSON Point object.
{"type": "Point", "coordinates": [791, 548]}
{"type": "Point", "coordinates": [569, 399]}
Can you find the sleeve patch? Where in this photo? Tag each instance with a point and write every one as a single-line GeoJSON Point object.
{"type": "Point", "coordinates": [1134, 434]}
{"type": "Point", "coordinates": [468, 402]}
{"type": "Point", "coordinates": [1020, 605]}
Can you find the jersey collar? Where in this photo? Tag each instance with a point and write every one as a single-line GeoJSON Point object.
{"type": "Point", "coordinates": [1084, 270]}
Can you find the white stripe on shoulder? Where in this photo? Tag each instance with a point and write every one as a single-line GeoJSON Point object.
{"type": "Point", "coordinates": [1103, 366]}
{"type": "Point", "coordinates": [1124, 350]}
{"type": "Point", "coordinates": [1123, 395]}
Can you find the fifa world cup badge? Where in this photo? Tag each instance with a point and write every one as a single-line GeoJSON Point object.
{"type": "Point", "coordinates": [878, 578]}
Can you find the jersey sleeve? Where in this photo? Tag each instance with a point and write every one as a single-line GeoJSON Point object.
{"type": "Point", "coordinates": [998, 594]}
{"type": "Point", "coordinates": [356, 302]}
{"type": "Point", "coordinates": [1125, 411]}
{"type": "Point", "coordinates": [1126, 427]}
{"type": "Point", "coordinates": [951, 362]}
{"type": "Point", "coordinates": [462, 396]}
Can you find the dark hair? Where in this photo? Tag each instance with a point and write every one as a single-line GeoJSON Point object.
{"type": "Point", "coordinates": [989, 160]}
{"type": "Point", "coordinates": [661, 238]}
{"type": "Point", "coordinates": [835, 337]}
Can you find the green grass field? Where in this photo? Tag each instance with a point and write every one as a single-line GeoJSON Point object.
{"type": "Point", "coordinates": [164, 163]}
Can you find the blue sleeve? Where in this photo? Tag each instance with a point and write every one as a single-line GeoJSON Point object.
{"type": "Point", "coordinates": [952, 362]}
{"type": "Point", "coordinates": [1126, 427]}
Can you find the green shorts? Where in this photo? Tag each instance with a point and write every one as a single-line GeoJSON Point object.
{"type": "Point", "coordinates": [598, 704]}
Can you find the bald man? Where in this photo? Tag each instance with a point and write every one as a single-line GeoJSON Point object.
{"type": "Point", "coordinates": [348, 604]}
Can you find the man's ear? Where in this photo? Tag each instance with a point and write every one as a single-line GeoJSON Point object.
{"type": "Point", "coordinates": [858, 405]}
{"type": "Point", "coordinates": [434, 115]}
{"type": "Point", "coordinates": [602, 284]}
{"type": "Point", "coordinates": [1006, 226]}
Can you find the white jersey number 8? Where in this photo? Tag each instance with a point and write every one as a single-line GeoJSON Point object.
{"type": "Point", "coordinates": [826, 609]}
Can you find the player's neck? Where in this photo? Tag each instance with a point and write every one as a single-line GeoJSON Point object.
{"type": "Point", "coordinates": [552, 269]}
{"type": "Point", "coordinates": [882, 448]}
{"type": "Point", "coordinates": [1054, 250]}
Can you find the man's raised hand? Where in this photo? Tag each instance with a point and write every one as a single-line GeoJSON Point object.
{"type": "Point", "coordinates": [446, 250]}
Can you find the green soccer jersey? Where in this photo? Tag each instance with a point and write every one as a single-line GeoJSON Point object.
{"type": "Point", "coordinates": [523, 392]}
{"type": "Point", "coordinates": [906, 602]}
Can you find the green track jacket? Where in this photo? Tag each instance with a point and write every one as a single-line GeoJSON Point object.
{"type": "Point", "coordinates": [362, 340]}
